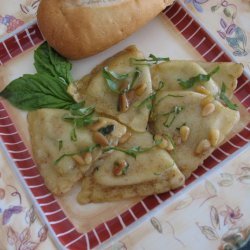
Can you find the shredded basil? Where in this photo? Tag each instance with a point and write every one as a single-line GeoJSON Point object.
{"type": "Point", "coordinates": [85, 150]}
{"type": "Point", "coordinates": [148, 100]}
{"type": "Point", "coordinates": [171, 115]}
{"type": "Point", "coordinates": [114, 80]}
{"type": "Point", "coordinates": [134, 151]}
{"type": "Point", "coordinates": [200, 78]}
{"type": "Point", "coordinates": [152, 60]}
{"type": "Point", "coordinates": [225, 99]}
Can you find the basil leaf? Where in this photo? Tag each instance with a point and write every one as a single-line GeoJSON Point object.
{"type": "Point", "coordinates": [200, 78]}
{"type": "Point", "coordinates": [48, 61]}
{"type": "Point", "coordinates": [225, 99]}
{"type": "Point", "coordinates": [31, 92]}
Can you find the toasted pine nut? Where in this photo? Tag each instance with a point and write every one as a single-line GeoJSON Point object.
{"type": "Point", "coordinates": [208, 109]}
{"type": "Point", "coordinates": [131, 96]}
{"type": "Point", "coordinates": [125, 137]}
{"type": "Point", "coordinates": [120, 168]}
{"type": "Point", "coordinates": [78, 159]}
{"type": "Point", "coordinates": [164, 143]}
{"type": "Point", "coordinates": [123, 103]}
{"type": "Point", "coordinates": [140, 89]}
{"type": "Point", "coordinates": [201, 89]}
{"type": "Point", "coordinates": [170, 146]}
{"type": "Point", "coordinates": [214, 137]}
{"type": "Point", "coordinates": [87, 158]}
{"type": "Point", "coordinates": [184, 133]}
{"type": "Point", "coordinates": [206, 100]}
{"type": "Point", "coordinates": [100, 139]}
{"type": "Point", "coordinates": [202, 147]}
{"type": "Point", "coordinates": [98, 124]}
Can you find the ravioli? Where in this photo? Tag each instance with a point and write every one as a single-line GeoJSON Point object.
{"type": "Point", "coordinates": [171, 113]}
{"type": "Point", "coordinates": [51, 139]}
{"type": "Point", "coordinates": [228, 74]}
{"type": "Point", "coordinates": [170, 72]}
{"type": "Point", "coordinates": [153, 171]}
{"type": "Point", "coordinates": [107, 102]}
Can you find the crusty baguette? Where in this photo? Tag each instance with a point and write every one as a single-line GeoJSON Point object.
{"type": "Point", "coordinates": [80, 28]}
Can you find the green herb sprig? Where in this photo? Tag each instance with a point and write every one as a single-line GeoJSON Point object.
{"type": "Point", "coordinates": [200, 78]}
{"type": "Point", "coordinates": [133, 151]}
{"type": "Point", "coordinates": [152, 60]}
{"type": "Point", "coordinates": [85, 150]}
{"type": "Point", "coordinates": [148, 100]}
{"type": "Point", "coordinates": [171, 115]}
{"type": "Point", "coordinates": [225, 99]}
{"type": "Point", "coordinates": [80, 116]}
{"type": "Point", "coordinates": [114, 80]}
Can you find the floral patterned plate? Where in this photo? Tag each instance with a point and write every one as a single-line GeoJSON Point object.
{"type": "Point", "coordinates": [176, 33]}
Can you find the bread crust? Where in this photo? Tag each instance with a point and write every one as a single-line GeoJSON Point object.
{"type": "Point", "coordinates": [80, 31]}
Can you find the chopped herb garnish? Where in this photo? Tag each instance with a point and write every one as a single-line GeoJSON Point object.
{"type": "Point", "coordinates": [80, 116]}
{"type": "Point", "coordinates": [85, 150]}
{"type": "Point", "coordinates": [171, 115]}
{"type": "Point", "coordinates": [148, 100]}
{"type": "Point", "coordinates": [60, 144]}
{"type": "Point", "coordinates": [168, 95]}
{"type": "Point", "coordinates": [107, 130]}
{"type": "Point", "coordinates": [200, 78]}
{"type": "Point", "coordinates": [134, 151]}
{"type": "Point", "coordinates": [136, 75]}
{"type": "Point", "coordinates": [152, 60]}
{"type": "Point", "coordinates": [111, 79]}
{"type": "Point", "coordinates": [225, 99]}
{"type": "Point", "coordinates": [114, 80]}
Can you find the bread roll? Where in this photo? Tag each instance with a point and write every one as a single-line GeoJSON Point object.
{"type": "Point", "coordinates": [81, 28]}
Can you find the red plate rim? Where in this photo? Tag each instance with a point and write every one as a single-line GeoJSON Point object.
{"type": "Point", "coordinates": [60, 224]}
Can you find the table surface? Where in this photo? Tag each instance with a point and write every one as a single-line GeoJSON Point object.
{"type": "Point", "coordinates": [204, 214]}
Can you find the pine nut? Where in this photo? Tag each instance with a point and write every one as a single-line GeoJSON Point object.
{"type": "Point", "coordinates": [125, 137]}
{"type": "Point", "coordinates": [123, 104]}
{"type": "Point", "coordinates": [184, 133]}
{"type": "Point", "coordinates": [170, 146]}
{"type": "Point", "coordinates": [208, 99]}
{"type": "Point", "coordinates": [202, 147]}
{"type": "Point", "coordinates": [100, 139]}
{"type": "Point", "coordinates": [131, 96]}
{"type": "Point", "coordinates": [214, 137]}
{"type": "Point", "coordinates": [140, 89]}
{"type": "Point", "coordinates": [87, 158]}
{"type": "Point", "coordinates": [208, 109]}
{"type": "Point", "coordinates": [163, 143]}
{"type": "Point", "coordinates": [78, 159]}
{"type": "Point", "coordinates": [201, 89]}
{"type": "Point", "coordinates": [120, 168]}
